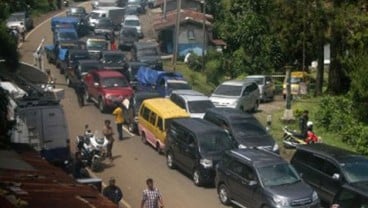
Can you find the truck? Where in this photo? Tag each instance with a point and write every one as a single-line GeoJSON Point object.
{"type": "Point", "coordinates": [162, 82]}
{"type": "Point", "coordinates": [79, 24]}
{"type": "Point", "coordinates": [116, 14]}
{"type": "Point", "coordinates": [56, 54]}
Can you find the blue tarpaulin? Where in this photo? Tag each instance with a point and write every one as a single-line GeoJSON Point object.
{"type": "Point", "coordinates": [149, 76]}
{"type": "Point", "coordinates": [62, 54]}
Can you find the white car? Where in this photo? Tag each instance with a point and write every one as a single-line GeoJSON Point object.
{"type": "Point", "coordinates": [265, 84]}
{"type": "Point", "coordinates": [21, 21]}
{"type": "Point", "coordinates": [132, 21]}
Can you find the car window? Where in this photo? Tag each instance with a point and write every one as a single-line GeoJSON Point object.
{"type": "Point", "coordinates": [236, 167]}
{"type": "Point", "coordinates": [309, 159]}
{"type": "Point", "coordinates": [228, 90]}
{"type": "Point", "coordinates": [248, 173]}
{"type": "Point", "coordinates": [145, 112]}
{"type": "Point", "coordinates": [180, 103]}
{"type": "Point", "coordinates": [200, 106]}
{"type": "Point", "coordinates": [247, 91]}
{"type": "Point", "coordinates": [152, 118]}
{"type": "Point", "coordinates": [355, 169]}
{"type": "Point", "coordinates": [160, 124]}
{"type": "Point", "coordinates": [108, 82]}
{"type": "Point", "coordinates": [330, 169]}
{"type": "Point", "coordinates": [278, 174]}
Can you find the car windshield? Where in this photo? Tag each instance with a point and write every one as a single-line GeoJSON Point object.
{"type": "Point", "coordinates": [114, 58]}
{"type": "Point", "coordinates": [257, 80]}
{"type": "Point", "coordinates": [131, 32]}
{"type": "Point", "coordinates": [213, 142]}
{"type": "Point", "coordinates": [147, 52]}
{"type": "Point", "coordinates": [88, 68]}
{"type": "Point", "coordinates": [69, 45]}
{"type": "Point", "coordinates": [199, 106]}
{"type": "Point", "coordinates": [178, 86]}
{"type": "Point", "coordinates": [104, 23]}
{"type": "Point", "coordinates": [295, 80]}
{"type": "Point", "coordinates": [108, 82]}
{"type": "Point", "coordinates": [68, 36]}
{"type": "Point", "coordinates": [97, 45]}
{"type": "Point", "coordinates": [355, 170]}
{"type": "Point", "coordinates": [16, 17]}
{"type": "Point", "coordinates": [277, 175]}
{"type": "Point", "coordinates": [132, 22]}
{"type": "Point", "coordinates": [247, 128]}
{"type": "Point", "coordinates": [228, 90]}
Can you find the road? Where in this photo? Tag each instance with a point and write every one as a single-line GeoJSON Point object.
{"type": "Point", "coordinates": [134, 162]}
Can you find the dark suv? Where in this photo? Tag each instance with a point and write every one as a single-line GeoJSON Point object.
{"type": "Point", "coordinates": [257, 178]}
{"type": "Point", "coordinates": [244, 127]}
{"type": "Point", "coordinates": [195, 145]}
{"type": "Point", "coordinates": [328, 169]}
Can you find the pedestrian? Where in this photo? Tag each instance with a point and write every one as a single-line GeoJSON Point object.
{"type": "Point", "coordinates": [78, 166]}
{"type": "Point", "coordinates": [303, 120]}
{"type": "Point", "coordinates": [109, 135]}
{"type": "Point", "coordinates": [119, 119]}
{"type": "Point", "coordinates": [79, 91]}
{"type": "Point", "coordinates": [151, 196]}
{"type": "Point", "coordinates": [113, 192]}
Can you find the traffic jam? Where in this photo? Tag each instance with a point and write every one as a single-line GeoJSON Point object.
{"type": "Point", "coordinates": [215, 141]}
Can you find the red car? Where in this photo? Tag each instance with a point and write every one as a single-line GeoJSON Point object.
{"type": "Point", "coordinates": [106, 88]}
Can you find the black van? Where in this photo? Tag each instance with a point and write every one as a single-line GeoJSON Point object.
{"type": "Point", "coordinates": [195, 145]}
{"type": "Point", "coordinates": [328, 169]}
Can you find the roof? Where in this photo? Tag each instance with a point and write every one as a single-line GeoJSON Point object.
{"type": "Point", "coordinates": [198, 125]}
{"type": "Point", "coordinates": [186, 15]}
{"type": "Point", "coordinates": [256, 157]}
{"type": "Point", "coordinates": [230, 113]}
{"type": "Point", "coordinates": [330, 152]}
{"type": "Point", "coordinates": [161, 2]}
{"type": "Point", "coordinates": [191, 97]}
{"type": "Point", "coordinates": [256, 76]}
{"type": "Point", "coordinates": [187, 92]}
{"type": "Point", "coordinates": [33, 181]}
{"type": "Point", "coordinates": [166, 107]}
{"type": "Point", "coordinates": [236, 82]}
{"type": "Point", "coordinates": [108, 73]}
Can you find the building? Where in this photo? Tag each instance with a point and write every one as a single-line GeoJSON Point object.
{"type": "Point", "coordinates": [193, 37]}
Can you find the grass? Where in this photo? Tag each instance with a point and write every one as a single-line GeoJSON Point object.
{"type": "Point", "coordinates": [196, 79]}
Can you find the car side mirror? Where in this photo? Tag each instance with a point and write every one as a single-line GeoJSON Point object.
{"type": "Point", "coordinates": [336, 176]}
{"type": "Point", "coordinates": [252, 183]}
{"type": "Point", "coordinates": [96, 84]}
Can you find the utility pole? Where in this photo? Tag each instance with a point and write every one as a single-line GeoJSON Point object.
{"type": "Point", "coordinates": [165, 5]}
{"type": "Point", "coordinates": [288, 113]}
{"type": "Point", "coordinates": [204, 35]}
{"type": "Point", "coordinates": [177, 28]}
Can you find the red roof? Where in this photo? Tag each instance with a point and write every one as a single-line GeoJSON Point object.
{"type": "Point", "coordinates": [218, 42]}
{"type": "Point", "coordinates": [186, 15]}
{"type": "Point", "coordinates": [33, 181]}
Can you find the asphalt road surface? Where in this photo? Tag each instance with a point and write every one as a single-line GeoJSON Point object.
{"type": "Point", "coordinates": [133, 161]}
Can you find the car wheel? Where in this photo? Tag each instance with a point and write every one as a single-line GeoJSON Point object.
{"type": "Point", "coordinates": [197, 179]}
{"type": "Point", "coordinates": [223, 194]}
{"type": "Point", "coordinates": [170, 160]}
{"type": "Point", "coordinates": [143, 138]}
{"type": "Point", "coordinates": [101, 105]}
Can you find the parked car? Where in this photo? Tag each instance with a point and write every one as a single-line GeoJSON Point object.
{"type": "Point", "coordinates": [265, 84]}
{"type": "Point", "coordinates": [128, 36]}
{"type": "Point", "coordinates": [195, 103]}
{"type": "Point", "coordinates": [77, 11]}
{"type": "Point", "coordinates": [244, 127]}
{"type": "Point", "coordinates": [195, 146]}
{"type": "Point", "coordinates": [104, 27]}
{"type": "Point", "coordinates": [132, 21]}
{"type": "Point", "coordinates": [22, 21]}
{"type": "Point", "coordinates": [147, 52]}
{"type": "Point", "coordinates": [243, 95]}
{"type": "Point", "coordinates": [154, 118]}
{"type": "Point", "coordinates": [131, 117]}
{"type": "Point", "coordinates": [114, 60]}
{"type": "Point", "coordinates": [75, 75]}
{"type": "Point", "coordinates": [106, 88]}
{"type": "Point", "coordinates": [72, 57]}
{"type": "Point", "coordinates": [350, 196]}
{"type": "Point", "coordinates": [257, 178]}
{"type": "Point", "coordinates": [329, 169]}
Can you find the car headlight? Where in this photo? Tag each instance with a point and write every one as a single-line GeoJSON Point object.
{"type": "Point", "coordinates": [206, 163]}
{"type": "Point", "coordinates": [314, 196]}
{"type": "Point", "coordinates": [275, 147]}
{"type": "Point", "coordinates": [280, 202]}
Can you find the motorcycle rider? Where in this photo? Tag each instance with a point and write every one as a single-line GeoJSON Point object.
{"type": "Point", "coordinates": [311, 136]}
{"type": "Point", "coordinates": [303, 120]}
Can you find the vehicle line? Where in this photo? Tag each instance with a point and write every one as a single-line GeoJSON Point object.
{"type": "Point", "coordinates": [125, 203]}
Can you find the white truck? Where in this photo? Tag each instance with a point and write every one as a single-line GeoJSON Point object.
{"type": "Point", "coordinates": [116, 14]}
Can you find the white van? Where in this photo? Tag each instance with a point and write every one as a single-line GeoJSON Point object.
{"type": "Point", "coordinates": [116, 14]}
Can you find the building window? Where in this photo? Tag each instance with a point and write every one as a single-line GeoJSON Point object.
{"type": "Point", "coordinates": [190, 34]}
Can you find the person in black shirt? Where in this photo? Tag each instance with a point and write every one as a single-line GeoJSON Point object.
{"type": "Point", "coordinates": [112, 192]}
{"type": "Point", "coordinates": [303, 123]}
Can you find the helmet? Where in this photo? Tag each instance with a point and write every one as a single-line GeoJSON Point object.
{"type": "Point", "coordinates": [309, 124]}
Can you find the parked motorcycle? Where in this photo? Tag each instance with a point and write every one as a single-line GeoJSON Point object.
{"type": "Point", "coordinates": [93, 148]}
{"type": "Point", "coordinates": [291, 138]}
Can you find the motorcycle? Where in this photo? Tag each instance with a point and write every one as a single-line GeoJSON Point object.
{"type": "Point", "coordinates": [291, 138]}
{"type": "Point", "coordinates": [93, 148]}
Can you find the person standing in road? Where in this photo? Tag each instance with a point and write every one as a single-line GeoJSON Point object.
{"type": "Point", "coordinates": [151, 196]}
{"type": "Point", "coordinates": [109, 134]}
{"type": "Point", "coordinates": [119, 119]}
{"type": "Point", "coordinates": [113, 192]}
{"type": "Point", "coordinates": [79, 91]}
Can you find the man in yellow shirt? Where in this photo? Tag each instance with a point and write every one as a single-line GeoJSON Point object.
{"type": "Point", "coordinates": [119, 119]}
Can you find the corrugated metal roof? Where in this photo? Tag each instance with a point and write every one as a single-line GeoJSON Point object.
{"type": "Point", "coordinates": [44, 185]}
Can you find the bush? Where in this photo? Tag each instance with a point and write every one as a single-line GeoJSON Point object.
{"type": "Point", "coordinates": [195, 62]}
{"type": "Point", "coordinates": [214, 72]}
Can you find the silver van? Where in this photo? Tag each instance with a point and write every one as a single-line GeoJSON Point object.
{"type": "Point", "coordinates": [265, 84]}
{"type": "Point", "coordinates": [239, 94]}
